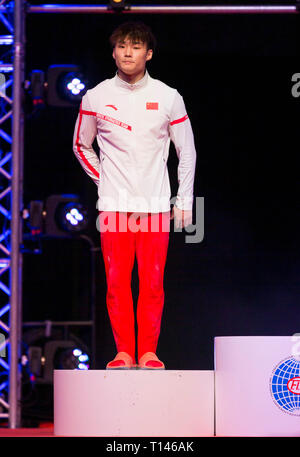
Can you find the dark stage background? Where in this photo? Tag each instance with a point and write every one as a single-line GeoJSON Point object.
{"type": "Point", "coordinates": [234, 72]}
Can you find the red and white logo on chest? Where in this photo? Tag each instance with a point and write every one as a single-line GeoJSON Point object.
{"type": "Point", "coordinates": [152, 105]}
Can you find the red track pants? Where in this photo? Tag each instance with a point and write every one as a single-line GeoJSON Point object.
{"type": "Point", "coordinates": [147, 236]}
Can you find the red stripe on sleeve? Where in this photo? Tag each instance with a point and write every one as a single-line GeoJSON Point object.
{"type": "Point", "coordinates": [177, 121]}
{"type": "Point", "coordinates": [90, 113]}
{"type": "Point", "coordinates": [80, 150]}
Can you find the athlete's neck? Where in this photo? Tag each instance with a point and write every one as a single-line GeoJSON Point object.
{"type": "Point", "coordinates": [131, 79]}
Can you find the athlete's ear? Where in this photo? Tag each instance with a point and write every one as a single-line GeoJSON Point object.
{"type": "Point", "coordinates": [149, 54]}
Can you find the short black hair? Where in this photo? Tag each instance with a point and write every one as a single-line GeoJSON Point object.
{"type": "Point", "coordinates": [136, 31]}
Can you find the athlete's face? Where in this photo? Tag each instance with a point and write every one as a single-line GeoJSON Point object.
{"type": "Point", "coordinates": [131, 57]}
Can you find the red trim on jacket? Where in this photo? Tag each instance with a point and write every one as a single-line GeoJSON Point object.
{"type": "Point", "coordinates": [107, 118]}
{"type": "Point", "coordinates": [89, 113]}
{"type": "Point", "coordinates": [87, 163]}
{"type": "Point", "coordinates": [177, 121]}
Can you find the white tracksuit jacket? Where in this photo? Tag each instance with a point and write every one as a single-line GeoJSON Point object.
{"type": "Point", "coordinates": [134, 124]}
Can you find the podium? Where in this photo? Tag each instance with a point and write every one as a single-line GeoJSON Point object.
{"type": "Point", "coordinates": [254, 390]}
{"type": "Point", "coordinates": [135, 403]}
{"type": "Point", "coordinates": [257, 386]}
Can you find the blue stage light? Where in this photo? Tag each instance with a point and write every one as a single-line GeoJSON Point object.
{"type": "Point", "coordinates": [65, 216]}
{"type": "Point", "coordinates": [83, 358]}
{"type": "Point", "coordinates": [73, 217]}
{"type": "Point", "coordinates": [74, 359]}
{"type": "Point", "coordinates": [71, 86]}
{"type": "Point", "coordinates": [75, 86]}
{"type": "Point", "coordinates": [80, 359]}
{"type": "Point", "coordinates": [66, 85]}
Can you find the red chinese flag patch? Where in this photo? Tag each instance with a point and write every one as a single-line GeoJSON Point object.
{"type": "Point", "coordinates": [151, 105]}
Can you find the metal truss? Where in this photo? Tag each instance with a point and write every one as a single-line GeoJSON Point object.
{"type": "Point", "coordinates": [12, 39]}
{"type": "Point", "coordinates": [169, 9]}
{"type": "Point", "coordinates": [6, 83]}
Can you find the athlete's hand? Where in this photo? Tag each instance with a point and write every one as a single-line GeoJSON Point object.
{"type": "Point", "coordinates": [183, 218]}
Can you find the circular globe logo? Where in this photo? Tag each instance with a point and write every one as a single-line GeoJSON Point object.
{"type": "Point", "coordinates": [285, 386]}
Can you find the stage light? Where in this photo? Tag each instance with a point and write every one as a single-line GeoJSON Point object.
{"type": "Point", "coordinates": [35, 215]}
{"type": "Point", "coordinates": [72, 217]}
{"type": "Point", "coordinates": [75, 86]}
{"type": "Point", "coordinates": [65, 85]}
{"type": "Point", "coordinates": [65, 216]}
{"type": "Point", "coordinates": [83, 358]}
{"type": "Point", "coordinates": [46, 354]}
{"type": "Point", "coordinates": [60, 216]}
{"type": "Point", "coordinates": [37, 87]}
{"type": "Point", "coordinates": [66, 359]}
{"type": "Point", "coordinates": [71, 86]}
{"type": "Point", "coordinates": [118, 5]}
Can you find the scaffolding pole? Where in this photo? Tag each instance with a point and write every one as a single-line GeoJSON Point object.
{"type": "Point", "coordinates": [225, 9]}
{"type": "Point", "coordinates": [16, 220]}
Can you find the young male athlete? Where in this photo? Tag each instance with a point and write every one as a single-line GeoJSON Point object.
{"type": "Point", "coordinates": [134, 117]}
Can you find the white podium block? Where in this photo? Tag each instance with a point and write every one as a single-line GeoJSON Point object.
{"type": "Point", "coordinates": [136, 403]}
{"type": "Point", "coordinates": [257, 386]}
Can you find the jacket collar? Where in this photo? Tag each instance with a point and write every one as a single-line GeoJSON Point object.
{"type": "Point", "coordinates": [130, 87]}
